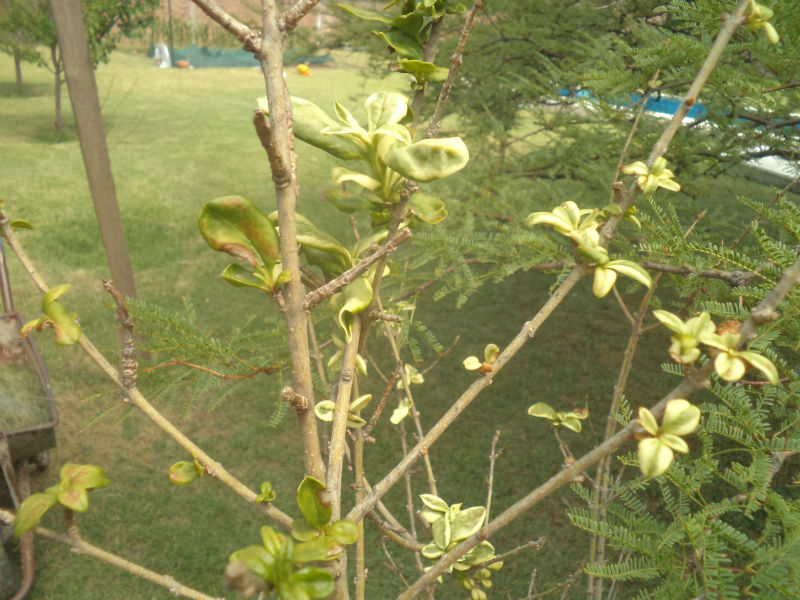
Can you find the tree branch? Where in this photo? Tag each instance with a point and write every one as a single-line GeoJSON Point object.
{"type": "Point", "coordinates": [79, 546]}
{"type": "Point", "coordinates": [327, 290]}
{"type": "Point", "coordinates": [249, 38]}
{"type": "Point", "coordinates": [763, 313]}
{"type": "Point", "coordinates": [212, 467]}
{"type": "Point", "coordinates": [527, 332]}
{"type": "Point", "coordinates": [289, 20]}
{"type": "Point", "coordinates": [455, 63]}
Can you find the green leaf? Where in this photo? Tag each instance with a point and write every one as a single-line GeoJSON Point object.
{"type": "Point", "coordinates": [20, 224]}
{"type": "Point", "coordinates": [430, 159]}
{"type": "Point", "coordinates": [729, 367]}
{"type": "Point", "coordinates": [354, 298]}
{"type": "Point", "coordinates": [441, 532]}
{"type": "Point", "coordinates": [342, 175]}
{"type": "Point", "coordinates": [648, 421]}
{"type": "Point", "coordinates": [466, 523]}
{"type": "Point", "coordinates": [184, 472]}
{"type": "Point", "coordinates": [317, 583]}
{"type": "Point", "coordinates": [267, 493]}
{"type": "Point", "coordinates": [258, 560]}
{"type": "Point", "coordinates": [603, 281]}
{"type": "Point", "coordinates": [86, 476]}
{"type": "Point", "coordinates": [366, 15]}
{"type": "Point", "coordinates": [431, 551]}
{"type": "Point", "coordinates": [343, 531]}
{"type": "Point", "coordinates": [348, 202]}
{"type": "Point", "coordinates": [322, 249]}
{"type": "Point", "coordinates": [310, 121]}
{"type": "Point", "coordinates": [543, 410]}
{"type": "Point", "coordinates": [31, 512]}
{"type": "Point", "coordinates": [405, 45]}
{"type": "Point", "coordinates": [424, 71]}
{"type": "Point", "coordinates": [314, 502]}
{"type": "Point", "coordinates": [426, 208]}
{"type": "Point", "coordinates": [302, 531]}
{"type": "Point", "coordinates": [763, 364]}
{"type": "Point", "coordinates": [273, 541]}
{"type": "Point", "coordinates": [74, 498]}
{"type": "Point", "coordinates": [317, 549]}
{"type": "Point", "coordinates": [66, 328]}
{"type": "Point", "coordinates": [238, 227]}
{"type": "Point", "coordinates": [632, 270]}
{"type": "Point", "coordinates": [434, 503]}
{"type": "Point", "coordinates": [680, 417]}
{"type": "Point", "coordinates": [570, 421]}
{"type": "Point", "coordinates": [480, 553]}
{"type": "Point", "coordinates": [385, 108]}
{"type": "Point", "coordinates": [490, 352]}
{"type": "Point", "coordinates": [366, 242]}
{"type": "Point", "coordinates": [472, 363]}
{"type": "Point", "coordinates": [410, 23]}
{"type": "Point", "coordinates": [324, 410]}
{"type": "Point", "coordinates": [238, 276]}
{"type": "Point", "coordinates": [674, 442]}
{"type": "Point", "coordinates": [654, 457]}
{"type": "Point", "coordinates": [360, 402]}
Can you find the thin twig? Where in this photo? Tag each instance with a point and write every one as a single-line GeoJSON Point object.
{"type": "Point", "coordinates": [382, 404]}
{"type": "Point", "coordinates": [410, 499]}
{"type": "Point", "coordinates": [80, 546]}
{"type": "Point", "coordinates": [176, 362]}
{"type": "Point", "coordinates": [129, 364]}
{"type": "Point", "coordinates": [763, 313]}
{"type": "Point", "coordinates": [624, 153]}
{"type": "Point", "coordinates": [730, 26]}
{"type": "Point", "coordinates": [526, 333]}
{"type": "Point", "coordinates": [440, 356]}
{"type": "Point", "coordinates": [455, 63]}
{"type": "Point", "coordinates": [493, 456]}
{"type": "Point", "coordinates": [536, 544]}
{"type": "Point", "coordinates": [399, 537]}
{"type": "Point", "coordinates": [324, 292]}
{"type": "Point", "coordinates": [212, 467]}
{"type": "Point", "coordinates": [249, 38]}
{"type": "Point", "coordinates": [289, 20]}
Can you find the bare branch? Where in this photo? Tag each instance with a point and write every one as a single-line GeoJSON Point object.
{"type": "Point", "coordinates": [694, 380]}
{"type": "Point", "coordinates": [289, 20]}
{"type": "Point", "coordinates": [455, 63]}
{"type": "Point", "coordinates": [250, 39]}
{"type": "Point", "coordinates": [182, 363]}
{"type": "Point", "coordinates": [731, 25]}
{"type": "Point", "coordinates": [129, 364]}
{"type": "Point", "coordinates": [79, 546]}
{"type": "Point", "coordinates": [528, 331]}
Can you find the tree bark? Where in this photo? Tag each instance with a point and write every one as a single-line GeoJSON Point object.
{"type": "Point", "coordinates": [54, 54]}
{"type": "Point", "coordinates": [73, 50]}
{"type": "Point", "coordinates": [18, 71]}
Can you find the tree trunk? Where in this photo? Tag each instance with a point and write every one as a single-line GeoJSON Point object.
{"type": "Point", "coordinates": [57, 68]}
{"type": "Point", "coordinates": [18, 71]}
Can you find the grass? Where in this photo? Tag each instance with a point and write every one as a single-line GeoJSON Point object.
{"type": "Point", "coordinates": [178, 138]}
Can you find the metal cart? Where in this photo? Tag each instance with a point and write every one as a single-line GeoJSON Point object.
{"type": "Point", "coordinates": [24, 445]}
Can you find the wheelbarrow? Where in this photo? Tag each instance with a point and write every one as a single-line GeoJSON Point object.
{"type": "Point", "coordinates": [28, 417]}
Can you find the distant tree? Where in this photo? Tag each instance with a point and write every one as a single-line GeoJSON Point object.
{"type": "Point", "coordinates": [27, 25]}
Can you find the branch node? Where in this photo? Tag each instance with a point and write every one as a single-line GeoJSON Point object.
{"type": "Point", "coordinates": [129, 364]}
{"type": "Point", "coordinates": [300, 403]}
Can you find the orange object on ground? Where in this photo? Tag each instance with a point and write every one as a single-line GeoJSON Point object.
{"type": "Point", "coordinates": [303, 69]}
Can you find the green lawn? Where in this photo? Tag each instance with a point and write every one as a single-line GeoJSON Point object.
{"type": "Point", "coordinates": [179, 138]}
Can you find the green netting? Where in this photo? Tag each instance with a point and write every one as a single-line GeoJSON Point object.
{"type": "Point", "coordinates": [201, 57]}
